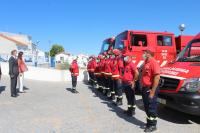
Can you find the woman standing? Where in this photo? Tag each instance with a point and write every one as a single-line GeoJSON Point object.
{"type": "Point", "coordinates": [22, 68]}
{"type": "Point", "coordinates": [74, 73]}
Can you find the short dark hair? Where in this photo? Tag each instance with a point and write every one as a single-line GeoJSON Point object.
{"type": "Point", "coordinates": [150, 52]}
{"type": "Point", "coordinates": [12, 52]}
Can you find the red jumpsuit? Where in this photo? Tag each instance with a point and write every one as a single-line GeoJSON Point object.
{"type": "Point", "coordinates": [74, 73]}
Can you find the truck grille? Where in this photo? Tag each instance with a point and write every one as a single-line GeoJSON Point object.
{"type": "Point", "coordinates": [168, 83]}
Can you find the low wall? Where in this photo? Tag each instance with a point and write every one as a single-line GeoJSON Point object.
{"type": "Point", "coordinates": [46, 74]}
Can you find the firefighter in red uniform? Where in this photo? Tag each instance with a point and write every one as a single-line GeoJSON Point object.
{"type": "Point", "coordinates": [150, 80]}
{"type": "Point", "coordinates": [129, 77]}
{"type": "Point", "coordinates": [91, 68]}
{"type": "Point", "coordinates": [97, 72]}
{"type": "Point", "coordinates": [117, 72]}
{"type": "Point", "coordinates": [74, 74]}
{"type": "Point", "coordinates": [108, 73]}
{"type": "Point", "coordinates": [102, 71]}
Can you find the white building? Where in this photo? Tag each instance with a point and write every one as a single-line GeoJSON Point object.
{"type": "Point", "coordinates": [66, 57]}
{"type": "Point", "coordinates": [9, 42]}
{"type": "Point", "coordinates": [20, 42]}
{"type": "Point", "coordinates": [62, 57]}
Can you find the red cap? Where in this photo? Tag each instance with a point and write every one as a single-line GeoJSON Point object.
{"type": "Point", "coordinates": [116, 51]}
{"type": "Point", "coordinates": [104, 53]}
{"type": "Point", "coordinates": [100, 56]}
{"type": "Point", "coordinates": [150, 50]}
{"type": "Point", "coordinates": [109, 52]}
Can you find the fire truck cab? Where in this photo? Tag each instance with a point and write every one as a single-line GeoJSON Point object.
{"type": "Point", "coordinates": [180, 80]}
{"type": "Point", "coordinates": [165, 44]}
{"type": "Point", "coordinates": [108, 44]}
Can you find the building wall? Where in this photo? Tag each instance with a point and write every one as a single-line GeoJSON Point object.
{"type": "Point", "coordinates": [64, 56]}
{"type": "Point", "coordinates": [45, 74]}
{"type": "Point", "coordinates": [6, 46]}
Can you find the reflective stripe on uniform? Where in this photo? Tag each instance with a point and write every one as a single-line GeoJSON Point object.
{"type": "Point", "coordinates": [140, 63]}
{"type": "Point", "coordinates": [112, 92]}
{"type": "Point", "coordinates": [115, 76]}
{"type": "Point", "coordinates": [120, 97]}
{"type": "Point", "coordinates": [108, 73]}
{"type": "Point", "coordinates": [151, 118]}
{"type": "Point", "coordinates": [134, 106]}
{"type": "Point", "coordinates": [97, 73]}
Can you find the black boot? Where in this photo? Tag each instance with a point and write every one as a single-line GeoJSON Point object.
{"type": "Point", "coordinates": [108, 94]}
{"type": "Point", "coordinates": [130, 112]}
{"type": "Point", "coordinates": [127, 111]}
{"type": "Point", "coordinates": [104, 90]}
{"type": "Point", "coordinates": [112, 96]}
{"type": "Point", "coordinates": [100, 89]}
{"type": "Point", "coordinates": [150, 129]}
{"type": "Point", "coordinates": [119, 102]}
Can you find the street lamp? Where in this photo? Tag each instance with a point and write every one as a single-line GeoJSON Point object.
{"type": "Point", "coordinates": [36, 52]}
{"type": "Point", "coordinates": [181, 28]}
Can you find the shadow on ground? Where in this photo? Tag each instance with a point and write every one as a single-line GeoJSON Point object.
{"type": "Point", "coordinates": [171, 115]}
{"type": "Point", "coordinates": [2, 88]}
{"type": "Point", "coordinates": [70, 90]}
{"type": "Point", "coordinates": [119, 111]}
{"type": "Point", "coordinates": [25, 88]}
{"type": "Point", "coordinates": [164, 113]}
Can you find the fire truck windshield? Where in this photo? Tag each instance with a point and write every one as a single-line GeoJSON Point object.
{"type": "Point", "coordinates": [105, 46]}
{"type": "Point", "coordinates": [191, 53]}
{"type": "Point", "coordinates": [119, 40]}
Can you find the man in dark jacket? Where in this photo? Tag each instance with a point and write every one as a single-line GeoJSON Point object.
{"type": "Point", "coordinates": [13, 72]}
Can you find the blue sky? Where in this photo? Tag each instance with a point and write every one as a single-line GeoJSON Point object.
{"type": "Point", "coordinates": [81, 25]}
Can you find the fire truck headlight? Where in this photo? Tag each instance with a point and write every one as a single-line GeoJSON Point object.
{"type": "Point", "coordinates": [191, 85]}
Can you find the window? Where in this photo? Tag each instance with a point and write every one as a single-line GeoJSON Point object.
{"type": "Point", "coordinates": [191, 53]}
{"type": "Point", "coordinates": [104, 47]}
{"type": "Point", "coordinates": [164, 40]}
{"type": "Point", "coordinates": [119, 40]}
{"type": "Point", "coordinates": [62, 59]}
{"type": "Point", "coordinates": [139, 40]}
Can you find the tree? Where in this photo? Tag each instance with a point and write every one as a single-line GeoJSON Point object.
{"type": "Point", "coordinates": [56, 49]}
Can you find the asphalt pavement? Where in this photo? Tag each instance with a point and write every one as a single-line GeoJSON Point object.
{"type": "Point", "coordinates": [51, 107]}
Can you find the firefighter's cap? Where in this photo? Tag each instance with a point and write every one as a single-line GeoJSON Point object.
{"type": "Point", "coordinates": [150, 50]}
{"type": "Point", "coordinates": [116, 51]}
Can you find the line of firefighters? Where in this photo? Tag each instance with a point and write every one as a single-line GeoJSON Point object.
{"type": "Point", "coordinates": [113, 73]}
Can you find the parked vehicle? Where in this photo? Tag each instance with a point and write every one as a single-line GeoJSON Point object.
{"type": "Point", "coordinates": [180, 80]}
{"type": "Point", "coordinates": [165, 43]}
{"type": "Point", "coordinates": [107, 45]}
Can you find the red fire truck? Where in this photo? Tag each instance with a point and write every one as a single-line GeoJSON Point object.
{"type": "Point", "coordinates": [166, 44]}
{"type": "Point", "coordinates": [108, 44]}
{"type": "Point", "coordinates": [180, 80]}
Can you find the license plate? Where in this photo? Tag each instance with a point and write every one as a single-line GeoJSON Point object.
{"type": "Point", "coordinates": [162, 101]}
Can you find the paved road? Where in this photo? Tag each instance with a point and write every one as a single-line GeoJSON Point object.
{"type": "Point", "coordinates": [50, 107]}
